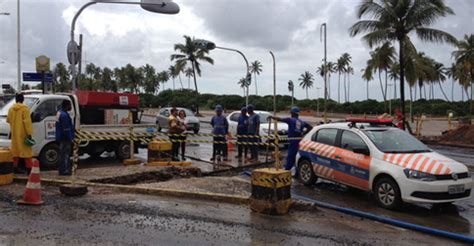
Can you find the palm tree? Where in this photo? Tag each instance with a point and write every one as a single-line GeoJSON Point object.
{"type": "Point", "coordinates": [61, 78]}
{"type": "Point", "coordinates": [151, 79]}
{"type": "Point", "coordinates": [393, 74]}
{"type": "Point", "coordinates": [163, 76]}
{"type": "Point", "coordinates": [328, 69]}
{"type": "Point", "coordinates": [172, 71]}
{"type": "Point", "coordinates": [349, 72]}
{"type": "Point", "coordinates": [464, 56]}
{"type": "Point", "coordinates": [439, 76]}
{"type": "Point", "coordinates": [189, 74]}
{"type": "Point", "coordinates": [452, 73]}
{"type": "Point", "coordinates": [108, 84]}
{"type": "Point", "coordinates": [307, 81]}
{"type": "Point", "coordinates": [340, 69]}
{"type": "Point", "coordinates": [395, 20]}
{"type": "Point", "coordinates": [347, 61]}
{"type": "Point", "coordinates": [192, 54]}
{"type": "Point", "coordinates": [242, 83]}
{"type": "Point", "coordinates": [367, 76]}
{"type": "Point", "coordinates": [256, 68]}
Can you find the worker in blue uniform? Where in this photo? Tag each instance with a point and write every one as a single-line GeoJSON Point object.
{"type": "Point", "coordinates": [296, 130]}
{"type": "Point", "coordinates": [220, 128]}
{"type": "Point", "coordinates": [253, 131]}
{"type": "Point", "coordinates": [242, 131]}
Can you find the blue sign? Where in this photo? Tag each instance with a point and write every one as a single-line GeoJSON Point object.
{"type": "Point", "coordinates": [36, 77]}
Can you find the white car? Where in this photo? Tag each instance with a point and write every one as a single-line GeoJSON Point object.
{"type": "Point", "coordinates": [233, 119]}
{"type": "Point", "coordinates": [393, 165]}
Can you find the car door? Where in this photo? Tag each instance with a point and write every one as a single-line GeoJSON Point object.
{"type": "Point", "coordinates": [163, 118]}
{"type": "Point", "coordinates": [44, 122]}
{"type": "Point", "coordinates": [320, 151]}
{"type": "Point", "coordinates": [352, 160]}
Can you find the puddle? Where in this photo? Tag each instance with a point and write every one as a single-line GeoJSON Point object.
{"type": "Point", "coordinates": [152, 176]}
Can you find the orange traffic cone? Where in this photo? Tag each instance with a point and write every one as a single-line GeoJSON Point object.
{"type": "Point", "coordinates": [230, 144]}
{"type": "Point", "coordinates": [32, 195]}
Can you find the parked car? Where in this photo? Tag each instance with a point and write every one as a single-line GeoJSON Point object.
{"type": "Point", "coordinates": [392, 164]}
{"type": "Point", "coordinates": [233, 119]}
{"type": "Point", "coordinates": [191, 121]}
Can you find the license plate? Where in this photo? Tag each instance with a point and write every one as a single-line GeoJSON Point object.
{"type": "Point", "coordinates": [455, 189]}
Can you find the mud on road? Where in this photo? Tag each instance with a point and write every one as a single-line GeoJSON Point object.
{"type": "Point", "coordinates": [105, 217]}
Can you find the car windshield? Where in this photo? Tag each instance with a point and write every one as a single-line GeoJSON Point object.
{"type": "Point", "coordinates": [29, 101]}
{"type": "Point", "coordinates": [394, 140]}
{"type": "Point", "coordinates": [187, 111]}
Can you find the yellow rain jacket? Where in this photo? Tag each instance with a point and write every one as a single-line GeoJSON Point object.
{"type": "Point", "coordinates": [20, 124]}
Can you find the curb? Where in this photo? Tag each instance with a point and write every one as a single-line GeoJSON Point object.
{"type": "Point", "coordinates": [207, 196]}
{"type": "Point", "coordinates": [238, 200]}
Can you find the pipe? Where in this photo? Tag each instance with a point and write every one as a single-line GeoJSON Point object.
{"type": "Point", "coordinates": [394, 222]}
{"type": "Point", "coordinates": [390, 221]}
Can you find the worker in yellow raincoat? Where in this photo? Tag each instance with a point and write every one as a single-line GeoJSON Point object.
{"type": "Point", "coordinates": [21, 128]}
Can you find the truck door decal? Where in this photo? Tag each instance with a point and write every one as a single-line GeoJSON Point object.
{"type": "Point", "coordinates": [50, 129]}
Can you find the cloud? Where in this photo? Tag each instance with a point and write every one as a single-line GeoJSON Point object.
{"type": "Point", "coordinates": [115, 35]}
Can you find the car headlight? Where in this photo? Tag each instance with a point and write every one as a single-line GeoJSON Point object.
{"type": "Point", "coordinates": [413, 174]}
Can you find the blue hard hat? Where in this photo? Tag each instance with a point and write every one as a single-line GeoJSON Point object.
{"type": "Point", "coordinates": [243, 109]}
{"type": "Point", "coordinates": [218, 107]}
{"type": "Point", "coordinates": [250, 107]}
{"type": "Point", "coordinates": [295, 110]}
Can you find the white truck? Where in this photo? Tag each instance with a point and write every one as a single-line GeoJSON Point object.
{"type": "Point", "coordinates": [89, 111]}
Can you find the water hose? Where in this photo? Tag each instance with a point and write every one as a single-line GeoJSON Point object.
{"type": "Point", "coordinates": [386, 220]}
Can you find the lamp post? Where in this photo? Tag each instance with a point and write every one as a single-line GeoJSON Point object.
{"type": "Point", "coordinates": [18, 45]}
{"type": "Point", "coordinates": [317, 100]}
{"type": "Point", "coordinates": [208, 45]}
{"type": "Point", "coordinates": [323, 26]}
{"type": "Point", "coordinates": [73, 50]}
{"type": "Point", "coordinates": [274, 83]}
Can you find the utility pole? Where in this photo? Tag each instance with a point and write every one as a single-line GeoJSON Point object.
{"type": "Point", "coordinates": [323, 26]}
{"type": "Point", "coordinates": [18, 45]}
{"type": "Point", "coordinates": [274, 83]}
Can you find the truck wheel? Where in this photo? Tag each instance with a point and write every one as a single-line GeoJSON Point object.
{"type": "Point", "coordinates": [122, 151]}
{"type": "Point", "coordinates": [49, 156]}
{"type": "Point", "coordinates": [306, 173]}
{"type": "Point", "coordinates": [387, 193]}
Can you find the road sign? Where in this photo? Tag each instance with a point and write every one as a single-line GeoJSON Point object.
{"type": "Point", "coordinates": [6, 86]}
{"type": "Point", "coordinates": [73, 51]}
{"type": "Point", "coordinates": [36, 77]}
{"type": "Point", "coordinates": [42, 64]}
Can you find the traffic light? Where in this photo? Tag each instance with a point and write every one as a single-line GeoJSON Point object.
{"type": "Point", "coordinates": [290, 85]}
{"type": "Point", "coordinates": [248, 79]}
{"type": "Point", "coordinates": [204, 44]}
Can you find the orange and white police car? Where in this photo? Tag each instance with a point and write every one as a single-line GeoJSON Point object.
{"type": "Point", "coordinates": [374, 156]}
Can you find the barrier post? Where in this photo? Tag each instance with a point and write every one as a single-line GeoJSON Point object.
{"type": "Point", "coordinates": [131, 160]}
{"type": "Point", "coordinates": [75, 155]}
{"type": "Point", "coordinates": [277, 146]}
{"type": "Point", "coordinates": [450, 115]}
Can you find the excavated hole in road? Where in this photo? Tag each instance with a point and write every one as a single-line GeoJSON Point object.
{"type": "Point", "coordinates": [152, 177]}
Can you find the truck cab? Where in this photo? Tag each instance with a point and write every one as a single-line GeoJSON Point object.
{"type": "Point", "coordinates": [88, 109]}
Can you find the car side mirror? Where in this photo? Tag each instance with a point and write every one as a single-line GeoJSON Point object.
{"type": "Point", "coordinates": [35, 117]}
{"type": "Point", "coordinates": [363, 151]}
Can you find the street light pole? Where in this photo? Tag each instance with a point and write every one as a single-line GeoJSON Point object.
{"type": "Point", "coordinates": [246, 65]}
{"type": "Point", "coordinates": [323, 26]}
{"type": "Point", "coordinates": [158, 6]}
{"type": "Point", "coordinates": [18, 45]}
{"type": "Point", "coordinates": [274, 83]}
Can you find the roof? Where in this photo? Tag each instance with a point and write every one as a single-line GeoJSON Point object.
{"type": "Point", "coordinates": [346, 125]}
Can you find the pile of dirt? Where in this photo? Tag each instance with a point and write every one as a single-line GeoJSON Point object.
{"type": "Point", "coordinates": [463, 135]}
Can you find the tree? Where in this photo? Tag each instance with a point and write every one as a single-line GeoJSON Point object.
{"type": "Point", "coordinates": [61, 78]}
{"type": "Point", "coordinates": [243, 84]}
{"type": "Point", "coordinates": [189, 74]}
{"type": "Point", "coordinates": [306, 81]}
{"type": "Point", "coordinates": [464, 56]}
{"type": "Point", "coordinates": [439, 76]}
{"type": "Point", "coordinates": [120, 78]}
{"type": "Point", "coordinates": [133, 78]}
{"type": "Point", "coordinates": [93, 74]}
{"type": "Point", "coordinates": [163, 77]}
{"type": "Point", "coordinates": [393, 74]}
{"type": "Point", "coordinates": [108, 84]}
{"type": "Point", "coordinates": [151, 82]}
{"type": "Point", "coordinates": [189, 53]}
{"type": "Point", "coordinates": [394, 21]}
{"type": "Point", "coordinates": [256, 68]}
{"type": "Point", "coordinates": [173, 72]}
{"type": "Point", "coordinates": [340, 69]}
{"type": "Point", "coordinates": [367, 76]}
{"type": "Point", "coordinates": [350, 71]}
{"type": "Point", "coordinates": [329, 68]}
{"type": "Point", "coordinates": [347, 59]}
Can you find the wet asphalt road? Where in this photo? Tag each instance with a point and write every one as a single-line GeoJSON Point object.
{"type": "Point", "coordinates": [105, 218]}
{"type": "Point", "coordinates": [458, 217]}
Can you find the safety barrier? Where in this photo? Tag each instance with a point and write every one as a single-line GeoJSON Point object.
{"type": "Point", "coordinates": [149, 133]}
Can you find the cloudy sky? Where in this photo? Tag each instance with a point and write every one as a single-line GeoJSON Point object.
{"type": "Point", "coordinates": [115, 35]}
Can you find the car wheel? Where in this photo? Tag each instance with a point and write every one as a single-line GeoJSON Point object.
{"type": "Point", "coordinates": [387, 193]}
{"type": "Point", "coordinates": [306, 173]}
{"type": "Point", "coordinates": [122, 151]}
{"type": "Point", "coordinates": [49, 156]}
{"type": "Point", "coordinates": [158, 127]}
